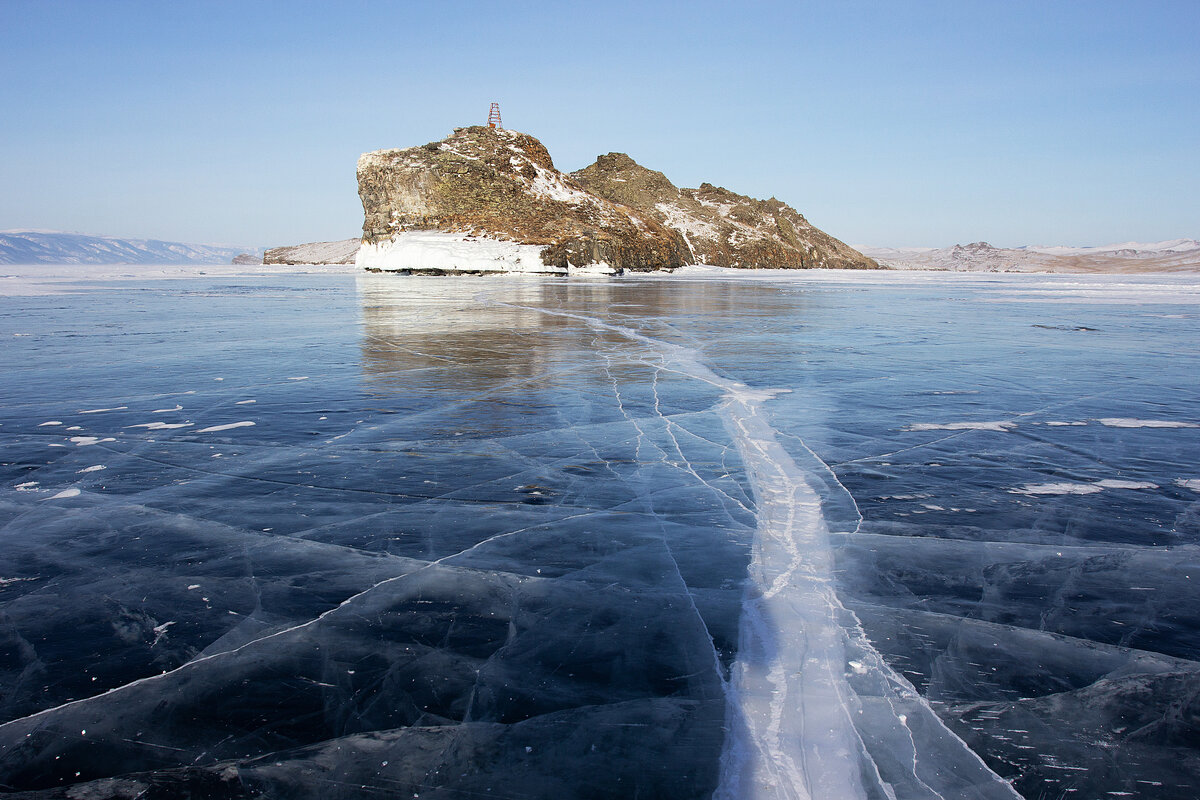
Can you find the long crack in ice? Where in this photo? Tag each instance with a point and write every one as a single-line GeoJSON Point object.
{"type": "Point", "coordinates": [796, 727]}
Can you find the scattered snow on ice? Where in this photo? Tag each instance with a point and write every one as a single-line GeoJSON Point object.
{"type": "Point", "coordinates": [1111, 483]}
{"type": "Point", "coordinates": [84, 441]}
{"type": "Point", "coordinates": [160, 426]}
{"type": "Point", "coordinates": [27, 486]}
{"type": "Point", "coordinates": [1069, 487]}
{"type": "Point", "coordinates": [72, 492]}
{"type": "Point", "coordinates": [166, 410]}
{"type": "Point", "coordinates": [93, 468]}
{"type": "Point", "coordinates": [1058, 488]}
{"type": "Point", "coordinates": [50, 422]}
{"type": "Point", "coordinates": [1126, 422]}
{"type": "Point", "coordinates": [1189, 483]}
{"type": "Point", "coordinates": [102, 410]}
{"type": "Point", "coordinates": [228, 427]}
{"type": "Point", "coordinates": [1000, 425]}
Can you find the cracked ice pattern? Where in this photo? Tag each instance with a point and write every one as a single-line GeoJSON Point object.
{"type": "Point", "coordinates": [489, 537]}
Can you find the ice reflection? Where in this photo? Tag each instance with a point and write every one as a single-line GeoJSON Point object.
{"type": "Point", "coordinates": [503, 556]}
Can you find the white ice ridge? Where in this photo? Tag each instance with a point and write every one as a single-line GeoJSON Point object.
{"type": "Point", "coordinates": [795, 726]}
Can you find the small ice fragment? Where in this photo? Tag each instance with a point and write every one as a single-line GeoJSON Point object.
{"type": "Point", "coordinates": [193, 586]}
{"type": "Point", "coordinates": [1189, 483]}
{"type": "Point", "coordinates": [858, 668]}
{"type": "Point", "coordinates": [218, 379]}
{"type": "Point", "coordinates": [301, 378]}
{"type": "Point", "coordinates": [93, 468]}
{"type": "Point", "coordinates": [230, 426]}
{"type": "Point", "coordinates": [74, 428]}
{"type": "Point", "coordinates": [528, 749]}
{"type": "Point", "coordinates": [50, 422]}
{"type": "Point", "coordinates": [1126, 422]}
{"type": "Point", "coordinates": [102, 410]}
{"type": "Point", "coordinates": [84, 441]}
{"type": "Point", "coordinates": [27, 486]}
{"type": "Point", "coordinates": [244, 402]}
{"type": "Point", "coordinates": [72, 492]}
{"type": "Point", "coordinates": [167, 410]}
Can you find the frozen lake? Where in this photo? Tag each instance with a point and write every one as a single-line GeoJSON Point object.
{"type": "Point", "coordinates": [809, 535]}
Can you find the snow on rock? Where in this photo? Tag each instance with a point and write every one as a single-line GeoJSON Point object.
{"type": "Point", "coordinates": [721, 227]}
{"type": "Point", "coordinates": [428, 251]}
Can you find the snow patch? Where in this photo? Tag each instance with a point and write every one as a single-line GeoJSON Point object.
{"type": "Point", "coordinates": [999, 425]}
{"type": "Point", "coordinates": [229, 427]}
{"type": "Point", "coordinates": [84, 441]}
{"type": "Point", "coordinates": [1069, 487]}
{"type": "Point", "coordinates": [452, 252]}
{"type": "Point", "coordinates": [1128, 422]}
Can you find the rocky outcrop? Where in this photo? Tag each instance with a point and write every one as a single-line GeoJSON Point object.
{"type": "Point", "coordinates": [341, 252]}
{"type": "Point", "coordinates": [720, 227]}
{"type": "Point", "coordinates": [487, 199]}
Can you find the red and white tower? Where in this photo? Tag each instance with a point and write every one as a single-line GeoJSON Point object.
{"type": "Point", "coordinates": [494, 116]}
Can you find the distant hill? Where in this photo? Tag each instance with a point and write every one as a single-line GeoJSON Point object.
{"type": "Point", "coordinates": [50, 247]}
{"type": "Point", "coordinates": [341, 252]}
{"type": "Point", "coordinates": [1175, 255]}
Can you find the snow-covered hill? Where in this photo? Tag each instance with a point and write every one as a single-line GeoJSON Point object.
{"type": "Point", "coordinates": [340, 252]}
{"type": "Point", "coordinates": [53, 247]}
{"type": "Point", "coordinates": [1174, 255]}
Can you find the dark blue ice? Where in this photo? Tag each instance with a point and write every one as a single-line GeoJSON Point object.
{"type": "Point", "coordinates": [357, 536]}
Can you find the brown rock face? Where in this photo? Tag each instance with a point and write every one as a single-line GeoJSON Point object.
{"type": "Point", "coordinates": [503, 184]}
{"type": "Point", "coordinates": [720, 227]}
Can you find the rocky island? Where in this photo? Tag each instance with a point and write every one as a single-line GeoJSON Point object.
{"type": "Point", "coordinates": [488, 199]}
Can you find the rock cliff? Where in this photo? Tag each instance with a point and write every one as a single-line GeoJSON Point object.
{"type": "Point", "coordinates": [720, 227]}
{"type": "Point", "coordinates": [486, 199]}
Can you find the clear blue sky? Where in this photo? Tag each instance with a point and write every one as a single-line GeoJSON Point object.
{"type": "Point", "coordinates": [888, 123]}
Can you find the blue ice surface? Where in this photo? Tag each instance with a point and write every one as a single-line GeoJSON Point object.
{"type": "Point", "coordinates": [511, 537]}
